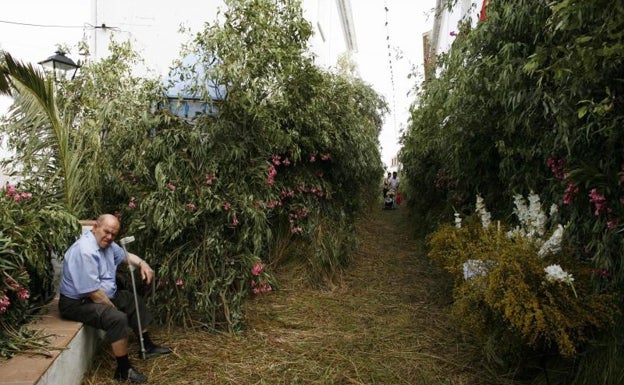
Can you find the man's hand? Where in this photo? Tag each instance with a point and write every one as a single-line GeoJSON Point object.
{"type": "Point", "coordinates": [99, 296]}
{"type": "Point", "coordinates": [147, 274]}
{"type": "Point", "coordinates": [146, 271]}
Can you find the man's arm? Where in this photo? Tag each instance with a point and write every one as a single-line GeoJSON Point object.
{"type": "Point", "coordinates": [98, 296]}
{"type": "Point", "coordinates": [146, 271]}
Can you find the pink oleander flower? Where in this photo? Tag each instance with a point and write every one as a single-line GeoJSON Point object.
{"type": "Point", "coordinates": [557, 166]}
{"type": "Point", "coordinates": [23, 294]}
{"type": "Point", "coordinates": [132, 203]}
{"type": "Point", "coordinates": [570, 194]}
{"type": "Point", "coordinates": [179, 282]}
{"type": "Point", "coordinates": [599, 201]}
{"type": "Point", "coordinates": [296, 230]}
{"type": "Point", "coordinates": [210, 179]}
{"type": "Point", "coordinates": [302, 212]}
{"type": "Point", "coordinates": [271, 176]}
{"type": "Point", "coordinates": [312, 159]}
{"type": "Point", "coordinates": [286, 162]}
{"type": "Point", "coordinates": [26, 195]}
{"type": "Point", "coordinates": [257, 269]}
{"type": "Point", "coordinates": [10, 190]}
{"type": "Point", "coordinates": [191, 206]}
{"type": "Point", "coordinates": [235, 221]}
{"type": "Point", "coordinates": [287, 194]}
{"type": "Point", "coordinates": [612, 224]}
{"type": "Point", "coordinates": [226, 206]}
{"type": "Point", "coordinates": [4, 303]}
{"type": "Point", "coordinates": [265, 287]}
{"type": "Point", "coordinates": [276, 160]}
{"type": "Point", "coordinates": [326, 156]}
{"type": "Point", "coordinates": [261, 288]}
{"type": "Point", "coordinates": [171, 186]}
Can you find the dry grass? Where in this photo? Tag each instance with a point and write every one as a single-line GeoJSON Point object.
{"type": "Point", "coordinates": [384, 322]}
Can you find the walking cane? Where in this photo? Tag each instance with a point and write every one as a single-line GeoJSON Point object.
{"type": "Point", "coordinates": [123, 243]}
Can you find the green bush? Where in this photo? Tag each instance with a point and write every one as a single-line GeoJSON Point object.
{"type": "Point", "coordinates": [531, 99]}
{"type": "Point", "coordinates": [31, 230]}
{"type": "Point", "coordinates": [291, 155]}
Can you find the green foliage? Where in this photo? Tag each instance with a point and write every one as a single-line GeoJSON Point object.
{"type": "Point", "coordinates": [509, 307]}
{"type": "Point", "coordinates": [291, 156]}
{"type": "Point", "coordinates": [529, 99]}
{"type": "Point", "coordinates": [31, 229]}
{"type": "Point", "coordinates": [51, 149]}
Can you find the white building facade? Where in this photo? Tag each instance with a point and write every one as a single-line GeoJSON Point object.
{"type": "Point", "coordinates": [153, 27]}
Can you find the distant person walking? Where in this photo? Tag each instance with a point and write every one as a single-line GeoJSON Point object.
{"type": "Point", "coordinates": [386, 185]}
{"type": "Point", "coordinates": [394, 181]}
{"type": "Point", "coordinates": [393, 184]}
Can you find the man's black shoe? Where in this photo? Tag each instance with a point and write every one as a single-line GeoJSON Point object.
{"type": "Point", "coordinates": [157, 351]}
{"type": "Point", "coordinates": [131, 375]}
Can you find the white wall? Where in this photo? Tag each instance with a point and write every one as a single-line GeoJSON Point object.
{"type": "Point", "coordinates": [449, 21]}
{"type": "Point", "coordinates": [328, 41]}
{"type": "Point", "coordinates": [151, 26]}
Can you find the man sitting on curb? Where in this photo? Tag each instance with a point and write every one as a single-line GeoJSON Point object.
{"type": "Point", "coordinates": [89, 293]}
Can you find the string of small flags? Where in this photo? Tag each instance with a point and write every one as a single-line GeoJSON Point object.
{"type": "Point", "coordinates": [391, 66]}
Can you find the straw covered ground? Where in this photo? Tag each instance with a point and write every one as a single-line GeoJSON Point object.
{"type": "Point", "coordinates": [384, 322]}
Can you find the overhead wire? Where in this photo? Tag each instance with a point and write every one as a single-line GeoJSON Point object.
{"type": "Point", "coordinates": [85, 25]}
{"type": "Point", "coordinates": [40, 25]}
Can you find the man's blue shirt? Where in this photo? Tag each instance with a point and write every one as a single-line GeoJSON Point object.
{"type": "Point", "coordinates": [87, 267]}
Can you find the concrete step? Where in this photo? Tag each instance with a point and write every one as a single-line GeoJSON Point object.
{"type": "Point", "coordinates": [72, 348]}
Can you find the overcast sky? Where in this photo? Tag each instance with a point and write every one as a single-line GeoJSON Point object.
{"type": "Point", "coordinates": [407, 20]}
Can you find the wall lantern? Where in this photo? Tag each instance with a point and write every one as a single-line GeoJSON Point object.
{"type": "Point", "coordinates": [60, 62]}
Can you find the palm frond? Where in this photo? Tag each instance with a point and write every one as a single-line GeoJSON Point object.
{"type": "Point", "coordinates": [45, 138]}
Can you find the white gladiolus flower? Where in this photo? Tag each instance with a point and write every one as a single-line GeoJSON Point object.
{"type": "Point", "coordinates": [556, 273]}
{"type": "Point", "coordinates": [537, 217]}
{"type": "Point", "coordinates": [521, 210]}
{"type": "Point", "coordinates": [483, 213]}
{"type": "Point", "coordinates": [476, 267]}
{"type": "Point", "coordinates": [554, 209]}
{"type": "Point", "coordinates": [553, 244]}
{"type": "Point", "coordinates": [531, 217]}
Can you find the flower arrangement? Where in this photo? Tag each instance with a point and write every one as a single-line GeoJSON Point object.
{"type": "Point", "coordinates": [510, 285]}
